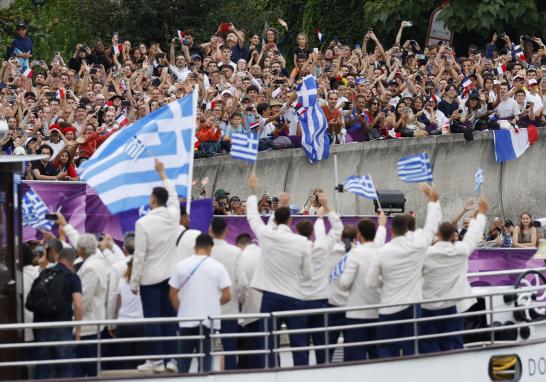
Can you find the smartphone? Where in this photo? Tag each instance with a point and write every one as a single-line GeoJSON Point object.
{"type": "Point", "coordinates": [409, 23]}
{"type": "Point", "coordinates": [315, 50]}
{"type": "Point", "coordinates": [51, 94]}
{"type": "Point", "coordinates": [53, 217]}
{"type": "Point", "coordinates": [126, 104]}
{"type": "Point", "coordinates": [357, 46]}
{"type": "Point", "coordinates": [279, 82]}
{"type": "Point", "coordinates": [93, 71]}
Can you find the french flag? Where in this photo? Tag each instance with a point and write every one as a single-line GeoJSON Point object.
{"type": "Point", "coordinates": [118, 48]}
{"type": "Point", "coordinates": [510, 144]}
{"type": "Point", "coordinates": [300, 109]}
{"type": "Point", "coordinates": [122, 120]}
{"type": "Point", "coordinates": [26, 71]}
{"type": "Point", "coordinates": [180, 34]}
{"type": "Point", "coordinates": [60, 94]}
{"type": "Point", "coordinates": [517, 52]}
{"type": "Point", "coordinates": [319, 35]}
{"type": "Point", "coordinates": [501, 69]}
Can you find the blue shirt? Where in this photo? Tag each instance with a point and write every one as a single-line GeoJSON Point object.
{"type": "Point", "coordinates": [23, 44]}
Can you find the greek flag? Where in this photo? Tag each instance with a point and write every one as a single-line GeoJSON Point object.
{"type": "Point", "coordinates": [361, 186]}
{"type": "Point", "coordinates": [415, 168]}
{"type": "Point", "coordinates": [244, 146]}
{"type": "Point", "coordinates": [478, 179]}
{"type": "Point", "coordinates": [339, 268]}
{"type": "Point", "coordinates": [122, 170]}
{"type": "Point", "coordinates": [34, 210]}
{"type": "Point", "coordinates": [315, 141]}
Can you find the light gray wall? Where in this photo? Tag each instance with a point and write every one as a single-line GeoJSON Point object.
{"type": "Point", "coordinates": [511, 188]}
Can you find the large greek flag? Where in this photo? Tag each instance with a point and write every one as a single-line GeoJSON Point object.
{"type": "Point", "coordinates": [122, 170]}
{"type": "Point", "coordinates": [34, 211]}
{"type": "Point", "coordinates": [415, 168]}
{"type": "Point", "coordinates": [315, 140]}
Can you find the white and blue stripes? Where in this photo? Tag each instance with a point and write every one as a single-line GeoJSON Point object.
{"type": "Point", "coordinates": [339, 268]}
{"type": "Point", "coordinates": [415, 168]}
{"type": "Point", "coordinates": [478, 179]}
{"type": "Point", "coordinates": [315, 140]}
{"type": "Point", "coordinates": [361, 186]}
{"type": "Point", "coordinates": [34, 210]}
{"type": "Point", "coordinates": [244, 146]}
{"type": "Point", "coordinates": [122, 170]}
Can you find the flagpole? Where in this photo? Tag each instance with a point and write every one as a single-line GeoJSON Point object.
{"type": "Point", "coordinates": [376, 196]}
{"type": "Point", "coordinates": [193, 138]}
{"type": "Point", "coordinates": [336, 182]}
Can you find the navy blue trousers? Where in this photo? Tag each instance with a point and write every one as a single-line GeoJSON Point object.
{"type": "Point", "coordinates": [273, 302]}
{"type": "Point", "coordinates": [445, 325]}
{"type": "Point", "coordinates": [358, 353]}
{"type": "Point", "coordinates": [156, 303]}
{"type": "Point", "coordinates": [230, 344]}
{"type": "Point", "coordinates": [192, 346]}
{"type": "Point", "coordinates": [386, 331]}
{"type": "Point", "coordinates": [336, 319]}
{"type": "Point", "coordinates": [45, 353]}
{"type": "Point", "coordinates": [317, 321]}
{"type": "Point", "coordinates": [252, 343]}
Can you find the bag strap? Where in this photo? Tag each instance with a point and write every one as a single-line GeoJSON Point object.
{"type": "Point", "coordinates": [192, 272]}
{"type": "Point", "coordinates": [180, 237]}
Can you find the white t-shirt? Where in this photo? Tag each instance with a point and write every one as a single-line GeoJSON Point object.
{"type": "Point", "coordinates": [536, 99]}
{"type": "Point", "coordinates": [201, 293]}
{"type": "Point", "coordinates": [180, 73]}
{"type": "Point", "coordinates": [131, 304]}
{"type": "Point", "coordinates": [57, 147]}
{"type": "Point", "coordinates": [507, 108]}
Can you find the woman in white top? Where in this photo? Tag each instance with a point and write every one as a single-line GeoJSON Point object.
{"type": "Point", "coordinates": [129, 307]}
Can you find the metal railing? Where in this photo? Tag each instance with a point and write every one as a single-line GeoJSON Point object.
{"type": "Point", "coordinates": [276, 331]}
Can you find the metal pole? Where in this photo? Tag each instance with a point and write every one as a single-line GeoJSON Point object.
{"type": "Point", "coordinates": [337, 182]}
{"type": "Point", "coordinates": [326, 339]}
{"type": "Point", "coordinates": [201, 360]}
{"type": "Point", "coordinates": [266, 338]}
{"type": "Point", "coordinates": [491, 320]}
{"type": "Point", "coordinates": [275, 343]}
{"type": "Point", "coordinates": [415, 329]}
{"type": "Point", "coordinates": [212, 344]}
{"type": "Point", "coordinates": [98, 351]}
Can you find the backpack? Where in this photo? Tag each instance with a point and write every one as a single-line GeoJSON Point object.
{"type": "Point", "coordinates": [47, 295]}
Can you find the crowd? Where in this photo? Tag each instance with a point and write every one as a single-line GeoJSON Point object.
{"type": "Point", "coordinates": [166, 269]}
{"type": "Point", "coordinates": [66, 107]}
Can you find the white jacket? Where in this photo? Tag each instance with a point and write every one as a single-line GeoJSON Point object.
{"type": "Point", "coordinates": [250, 257]}
{"type": "Point", "coordinates": [337, 296]}
{"type": "Point", "coordinates": [446, 266]}
{"type": "Point", "coordinates": [397, 268]}
{"type": "Point", "coordinates": [353, 277]}
{"type": "Point", "coordinates": [317, 287]}
{"type": "Point", "coordinates": [155, 259]}
{"type": "Point", "coordinates": [230, 257]}
{"type": "Point", "coordinates": [286, 256]}
{"type": "Point", "coordinates": [95, 282]}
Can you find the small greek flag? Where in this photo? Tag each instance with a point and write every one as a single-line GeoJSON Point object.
{"type": "Point", "coordinates": [478, 179]}
{"type": "Point", "coordinates": [361, 186]}
{"type": "Point", "coordinates": [339, 268]}
{"type": "Point", "coordinates": [244, 146]}
{"type": "Point", "coordinates": [415, 168]}
{"type": "Point", "coordinates": [34, 210]}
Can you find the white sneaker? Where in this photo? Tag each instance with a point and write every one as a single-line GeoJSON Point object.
{"type": "Point", "coordinates": [156, 367]}
{"type": "Point", "coordinates": [172, 366]}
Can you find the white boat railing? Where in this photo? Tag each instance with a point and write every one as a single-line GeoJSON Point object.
{"type": "Point", "coordinates": [536, 300]}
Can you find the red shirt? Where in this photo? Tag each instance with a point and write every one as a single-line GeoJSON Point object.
{"type": "Point", "coordinates": [207, 134]}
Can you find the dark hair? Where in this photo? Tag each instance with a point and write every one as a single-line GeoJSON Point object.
{"type": "Point", "coordinates": [44, 146]}
{"type": "Point", "coordinates": [27, 255]}
{"type": "Point", "coordinates": [446, 230]}
{"type": "Point", "coordinates": [411, 222]}
{"type": "Point", "coordinates": [55, 244]}
{"type": "Point", "coordinates": [399, 225]}
{"type": "Point", "coordinates": [243, 239]}
{"type": "Point", "coordinates": [253, 87]}
{"type": "Point", "coordinates": [218, 225]}
{"type": "Point", "coordinates": [189, 32]}
{"type": "Point", "coordinates": [263, 106]}
{"type": "Point", "coordinates": [204, 241]}
{"type": "Point", "coordinates": [348, 236]}
{"type": "Point", "coordinates": [67, 254]}
{"type": "Point", "coordinates": [367, 229]}
{"type": "Point", "coordinates": [282, 215]}
{"type": "Point", "coordinates": [129, 242]}
{"type": "Point", "coordinates": [161, 195]}
{"type": "Point", "coordinates": [305, 228]}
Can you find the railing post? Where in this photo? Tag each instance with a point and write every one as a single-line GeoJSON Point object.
{"type": "Point", "coordinates": [211, 350]}
{"type": "Point", "coordinates": [98, 351]}
{"type": "Point", "coordinates": [491, 317]}
{"type": "Point", "coordinates": [275, 343]}
{"type": "Point", "coordinates": [326, 350]}
{"type": "Point", "coordinates": [266, 338]}
{"type": "Point", "coordinates": [200, 360]}
{"type": "Point", "coordinates": [415, 329]}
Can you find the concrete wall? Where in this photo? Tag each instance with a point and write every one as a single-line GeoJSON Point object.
{"type": "Point", "coordinates": [511, 188]}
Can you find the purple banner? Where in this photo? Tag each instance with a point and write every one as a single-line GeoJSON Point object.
{"type": "Point", "coordinates": [85, 211]}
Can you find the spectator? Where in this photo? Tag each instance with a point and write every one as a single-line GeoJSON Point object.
{"type": "Point", "coordinates": [198, 288]}
{"type": "Point", "coordinates": [65, 164]}
{"type": "Point", "coordinates": [67, 290]}
{"type": "Point", "coordinates": [153, 265]}
{"type": "Point", "coordinates": [21, 46]}
{"type": "Point", "coordinates": [525, 234]}
{"type": "Point", "coordinates": [43, 169]}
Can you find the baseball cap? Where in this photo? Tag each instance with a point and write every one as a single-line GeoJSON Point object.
{"type": "Point", "coordinates": [392, 82]}
{"type": "Point", "coordinates": [518, 76]}
{"type": "Point", "coordinates": [195, 56]}
{"type": "Point", "coordinates": [532, 81]}
{"type": "Point", "coordinates": [21, 25]}
{"type": "Point", "coordinates": [226, 92]}
{"type": "Point", "coordinates": [220, 193]}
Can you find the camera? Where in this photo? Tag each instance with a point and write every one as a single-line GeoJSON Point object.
{"type": "Point", "coordinates": [526, 37]}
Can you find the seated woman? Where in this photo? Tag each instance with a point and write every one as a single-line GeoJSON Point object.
{"type": "Point", "coordinates": [64, 163]}
{"type": "Point", "coordinates": [525, 234]}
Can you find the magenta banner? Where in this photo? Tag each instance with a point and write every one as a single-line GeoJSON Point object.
{"type": "Point", "coordinates": [85, 211]}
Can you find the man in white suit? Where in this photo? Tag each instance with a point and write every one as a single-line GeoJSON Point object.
{"type": "Point", "coordinates": [445, 276]}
